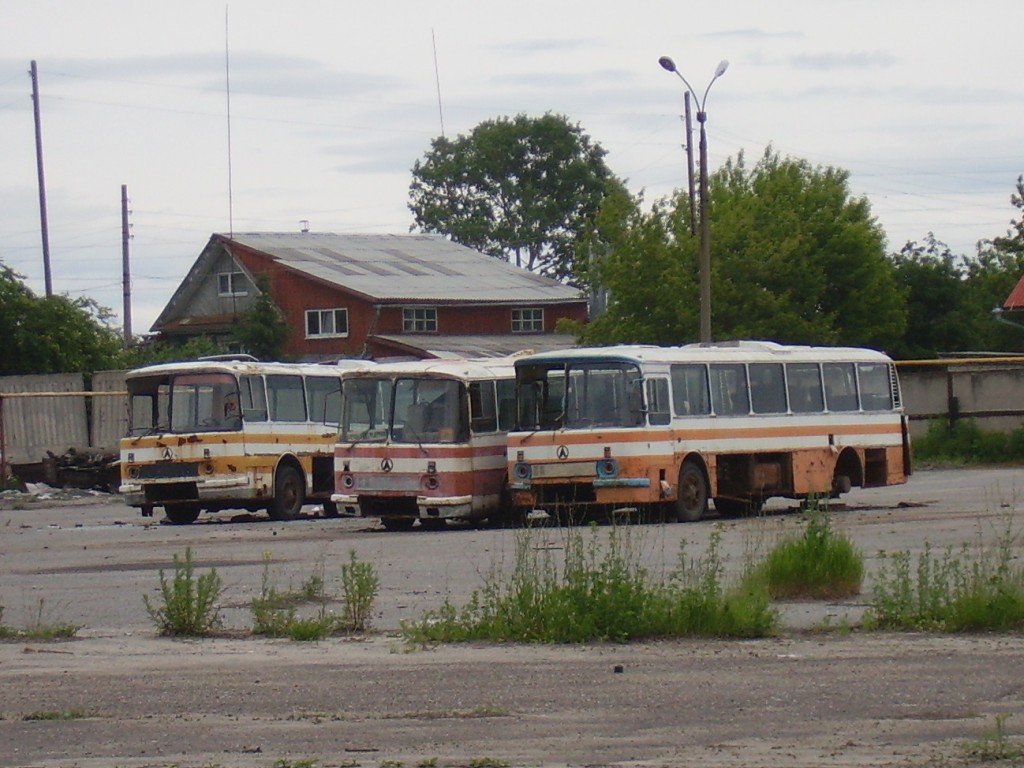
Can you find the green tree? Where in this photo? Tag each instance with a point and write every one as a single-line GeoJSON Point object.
{"type": "Point", "coordinates": [934, 284]}
{"type": "Point", "coordinates": [52, 334]}
{"type": "Point", "coordinates": [521, 189]}
{"type": "Point", "coordinates": [262, 330]}
{"type": "Point", "coordinates": [794, 258]}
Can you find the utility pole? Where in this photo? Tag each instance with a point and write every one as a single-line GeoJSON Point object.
{"type": "Point", "coordinates": [42, 181]}
{"type": "Point", "coordinates": [126, 272]}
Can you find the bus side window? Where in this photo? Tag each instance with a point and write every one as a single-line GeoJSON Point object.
{"type": "Point", "coordinates": [767, 388]}
{"type": "Point", "coordinates": [729, 389]}
{"type": "Point", "coordinates": [804, 383]}
{"type": "Point", "coordinates": [657, 402]}
{"type": "Point", "coordinates": [840, 387]}
{"type": "Point", "coordinates": [875, 386]}
{"type": "Point", "coordinates": [254, 398]}
{"type": "Point", "coordinates": [482, 406]}
{"type": "Point", "coordinates": [287, 398]}
{"type": "Point", "coordinates": [506, 404]}
{"type": "Point", "coordinates": [690, 395]}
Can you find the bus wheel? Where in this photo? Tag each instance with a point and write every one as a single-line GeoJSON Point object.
{"type": "Point", "coordinates": [330, 509]}
{"type": "Point", "coordinates": [289, 490]}
{"type": "Point", "coordinates": [692, 496]}
{"type": "Point", "coordinates": [433, 523]}
{"type": "Point", "coordinates": [182, 514]}
{"type": "Point", "coordinates": [397, 523]}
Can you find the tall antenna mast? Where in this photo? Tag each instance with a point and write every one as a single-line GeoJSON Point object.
{"type": "Point", "coordinates": [227, 90]}
{"type": "Point", "coordinates": [437, 80]}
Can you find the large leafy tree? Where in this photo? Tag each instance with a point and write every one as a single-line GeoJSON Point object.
{"type": "Point", "coordinates": [795, 258]}
{"type": "Point", "coordinates": [523, 189]}
{"type": "Point", "coordinates": [52, 334]}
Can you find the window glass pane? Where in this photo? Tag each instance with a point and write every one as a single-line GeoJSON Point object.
{"type": "Point", "coordinates": [312, 323]}
{"type": "Point", "coordinates": [324, 396]}
{"type": "Point", "coordinates": [286, 398]}
{"type": "Point", "coordinates": [429, 410]}
{"type": "Point", "coordinates": [657, 402]}
{"type": "Point", "coordinates": [690, 393]}
{"type": "Point", "coordinates": [840, 387]}
{"type": "Point", "coordinates": [254, 398]}
{"type": "Point", "coordinates": [341, 321]}
{"type": "Point", "coordinates": [482, 406]}
{"type": "Point", "coordinates": [204, 402]}
{"type": "Point", "coordinates": [326, 322]}
{"type": "Point", "coordinates": [366, 409]}
{"type": "Point", "coordinates": [875, 387]}
{"type": "Point", "coordinates": [767, 388]}
{"type": "Point", "coordinates": [804, 382]}
{"type": "Point", "coordinates": [729, 389]}
{"type": "Point", "coordinates": [506, 404]}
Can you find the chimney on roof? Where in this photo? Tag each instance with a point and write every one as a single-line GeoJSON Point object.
{"type": "Point", "coordinates": [305, 225]}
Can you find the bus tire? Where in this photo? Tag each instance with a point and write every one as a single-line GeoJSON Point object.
{"type": "Point", "coordinates": [289, 493]}
{"type": "Point", "coordinates": [331, 509]}
{"type": "Point", "coordinates": [692, 494]}
{"type": "Point", "coordinates": [182, 514]}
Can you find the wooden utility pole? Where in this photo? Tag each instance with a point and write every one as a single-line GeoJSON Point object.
{"type": "Point", "coordinates": [126, 272]}
{"type": "Point", "coordinates": [42, 181]}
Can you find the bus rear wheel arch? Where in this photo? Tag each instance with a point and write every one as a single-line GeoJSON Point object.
{"type": "Point", "coordinates": [182, 514]}
{"type": "Point", "coordinates": [289, 493]}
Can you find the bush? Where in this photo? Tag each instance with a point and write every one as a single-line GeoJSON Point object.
{"type": "Point", "coordinates": [188, 604]}
{"type": "Point", "coordinates": [965, 443]}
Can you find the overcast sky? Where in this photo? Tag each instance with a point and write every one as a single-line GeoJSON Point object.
{"type": "Point", "coordinates": [331, 103]}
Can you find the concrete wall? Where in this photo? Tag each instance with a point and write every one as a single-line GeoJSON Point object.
{"type": "Point", "coordinates": [989, 393]}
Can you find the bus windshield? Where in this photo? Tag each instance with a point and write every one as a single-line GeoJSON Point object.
{"type": "Point", "coordinates": [404, 410]}
{"type": "Point", "coordinates": [204, 402]}
{"type": "Point", "coordinates": [580, 396]}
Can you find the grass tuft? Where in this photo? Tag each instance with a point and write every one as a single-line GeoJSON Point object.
{"type": "Point", "coordinates": [188, 603]}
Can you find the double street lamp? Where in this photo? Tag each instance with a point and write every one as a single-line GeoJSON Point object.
{"type": "Point", "coordinates": [705, 230]}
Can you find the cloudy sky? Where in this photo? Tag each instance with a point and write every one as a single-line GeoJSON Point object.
{"type": "Point", "coordinates": [331, 103]}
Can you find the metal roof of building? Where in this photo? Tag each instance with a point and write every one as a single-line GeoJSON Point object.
{"type": "Point", "coordinates": [473, 346]}
{"type": "Point", "coordinates": [406, 267]}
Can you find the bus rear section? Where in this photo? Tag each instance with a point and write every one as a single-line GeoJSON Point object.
{"type": "Point", "coordinates": [424, 441]}
{"type": "Point", "coordinates": [666, 430]}
{"type": "Point", "coordinates": [217, 435]}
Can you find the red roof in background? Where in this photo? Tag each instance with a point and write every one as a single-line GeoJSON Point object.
{"type": "Point", "coordinates": [1016, 298]}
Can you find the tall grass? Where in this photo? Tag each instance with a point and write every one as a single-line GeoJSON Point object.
{"type": "Point", "coordinates": [970, 589]}
{"type": "Point", "coordinates": [188, 604]}
{"type": "Point", "coordinates": [817, 564]}
{"type": "Point", "coordinates": [601, 591]}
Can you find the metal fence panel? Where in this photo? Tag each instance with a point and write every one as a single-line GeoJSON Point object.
{"type": "Point", "coordinates": [35, 425]}
{"type": "Point", "coordinates": [109, 412]}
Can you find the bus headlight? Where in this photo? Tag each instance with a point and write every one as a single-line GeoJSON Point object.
{"type": "Point", "coordinates": [607, 468]}
{"type": "Point", "coordinates": [431, 482]}
{"type": "Point", "coordinates": [133, 472]}
{"type": "Point", "coordinates": [522, 471]}
{"type": "Point", "coordinates": [347, 482]}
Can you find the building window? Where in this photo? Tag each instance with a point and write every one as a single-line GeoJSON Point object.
{"type": "Point", "coordinates": [419, 319]}
{"type": "Point", "coordinates": [324, 323]}
{"type": "Point", "coordinates": [529, 320]}
{"type": "Point", "coordinates": [231, 284]}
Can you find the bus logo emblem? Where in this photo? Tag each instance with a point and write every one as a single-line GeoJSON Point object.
{"type": "Point", "coordinates": [563, 452]}
{"type": "Point", "coordinates": [167, 454]}
{"type": "Point", "coordinates": [387, 465]}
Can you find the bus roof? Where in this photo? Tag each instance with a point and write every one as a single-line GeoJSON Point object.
{"type": "Point", "coordinates": [721, 352]}
{"type": "Point", "coordinates": [449, 368]}
{"type": "Point", "coordinates": [249, 367]}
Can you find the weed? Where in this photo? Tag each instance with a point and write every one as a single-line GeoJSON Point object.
{"type": "Point", "coordinates": [391, 764]}
{"type": "Point", "coordinates": [954, 592]}
{"type": "Point", "coordinates": [995, 745]}
{"type": "Point", "coordinates": [39, 627]}
{"type": "Point", "coordinates": [819, 564]}
{"type": "Point", "coordinates": [488, 762]}
{"type": "Point", "coordinates": [305, 763]}
{"type": "Point", "coordinates": [188, 605]}
{"type": "Point", "coordinates": [600, 592]}
{"type": "Point", "coordinates": [68, 714]}
{"type": "Point", "coordinates": [359, 587]}
{"type": "Point", "coordinates": [427, 762]}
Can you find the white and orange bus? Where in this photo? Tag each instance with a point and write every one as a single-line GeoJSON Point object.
{"type": "Point", "coordinates": [667, 429]}
{"type": "Point", "coordinates": [425, 441]}
{"type": "Point", "coordinates": [221, 433]}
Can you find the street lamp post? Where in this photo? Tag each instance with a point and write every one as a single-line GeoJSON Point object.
{"type": "Point", "coordinates": [705, 229]}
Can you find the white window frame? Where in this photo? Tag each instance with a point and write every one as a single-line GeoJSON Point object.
{"type": "Point", "coordinates": [234, 278]}
{"type": "Point", "coordinates": [333, 314]}
{"type": "Point", "coordinates": [528, 320]}
{"type": "Point", "coordinates": [419, 319]}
